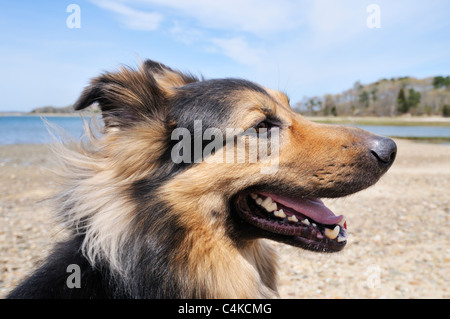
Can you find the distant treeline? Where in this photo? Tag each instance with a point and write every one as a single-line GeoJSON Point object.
{"type": "Point", "coordinates": [396, 96]}
{"type": "Point", "coordinates": [53, 109]}
{"type": "Point", "coordinates": [59, 110]}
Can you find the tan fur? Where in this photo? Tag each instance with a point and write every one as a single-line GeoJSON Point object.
{"type": "Point", "coordinates": [169, 80]}
{"type": "Point", "coordinates": [212, 256]}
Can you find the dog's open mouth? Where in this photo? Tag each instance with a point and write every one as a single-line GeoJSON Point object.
{"type": "Point", "coordinates": [303, 222]}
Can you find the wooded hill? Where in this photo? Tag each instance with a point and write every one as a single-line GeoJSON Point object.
{"type": "Point", "coordinates": [62, 110]}
{"type": "Point", "coordinates": [53, 109]}
{"type": "Point", "coordinates": [386, 97]}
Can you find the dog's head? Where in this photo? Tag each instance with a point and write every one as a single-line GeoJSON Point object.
{"type": "Point", "coordinates": [230, 157]}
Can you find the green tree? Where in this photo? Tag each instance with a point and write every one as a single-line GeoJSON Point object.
{"type": "Point", "coordinates": [413, 98]}
{"type": "Point", "coordinates": [405, 104]}
{"type": "Point", "coordinates": [334, 111]}
{"type": "Point", "coordinates": [402, 105]}
{"type": "Point", "coordinates": [440, 81]}
{"type": "Point", "coordinates": [446, 110]}
{"type": "Point", "coordinates": [374, 94]}
{"type": "Point", "coordinates": [364, 99]}
{"type": "Point", "coordinates": [328, 104]}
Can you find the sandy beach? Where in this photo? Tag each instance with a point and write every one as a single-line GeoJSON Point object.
{"type": "Point", "coordinates": [399, 244]}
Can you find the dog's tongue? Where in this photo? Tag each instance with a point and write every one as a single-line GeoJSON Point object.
{"type": "Point", "coordinates": [310, 207]}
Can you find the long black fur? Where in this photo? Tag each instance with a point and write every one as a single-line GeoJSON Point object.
{"type": "Point", "coordinates": [50, 280]}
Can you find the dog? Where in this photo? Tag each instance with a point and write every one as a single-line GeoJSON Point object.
{"type": "Point", "coordinates": [144, 225]}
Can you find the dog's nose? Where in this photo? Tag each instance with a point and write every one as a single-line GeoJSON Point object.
{"type": "Point", "coordinates": [384, 149]}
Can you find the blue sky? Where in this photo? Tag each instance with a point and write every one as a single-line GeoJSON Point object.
{"type": "Point", "coordinates": [303, 48]}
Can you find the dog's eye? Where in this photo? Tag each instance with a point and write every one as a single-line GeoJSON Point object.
{"type": "Point", "coordinates": [264, 127]}
{"type": "Point", "coordinates": [261, 126]}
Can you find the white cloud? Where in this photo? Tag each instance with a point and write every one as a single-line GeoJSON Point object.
{"type": "Point", "coordinates": [186, 34]}
{"type": "Point", "coordinates": [239, 50]}
{"type": "Point", "coordinates": [258, 17]}
{"type": "Point", "coordinates": [132, 18]}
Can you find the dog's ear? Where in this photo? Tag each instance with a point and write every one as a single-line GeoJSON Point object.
{"type": "Point", "coordinates": [128, 96]}
{"type": "Point", "coordinates": [167, 78]}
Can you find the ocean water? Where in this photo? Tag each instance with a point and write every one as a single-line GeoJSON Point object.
{"type": "Point", "coordinates": [32, 129]}
{"type": "Point", "coordinates": [408, 131]}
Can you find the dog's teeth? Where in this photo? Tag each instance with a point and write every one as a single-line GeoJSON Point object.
{"type": "Point", "coordinates": [253, 195]}
{"type": "Point", "coordinates": [266, 202]}
{"type": "Point", "coordinates": [258, 200]}
{"type": "Point", "coordinates": [342, 222]}
{"type": "Point", "coordinates": [269, 204]}
{"type": "Point", "coordinates": [332, 234]}
{"type": "Point", "coordinates": [279, 213]}
{"type": "Point", "coordinates": [292, 218]}
{"type": "Point", "coordinates": [314, 225]}
{"type": "Point", "coordinates": [306, 221]}
{"type": "Point", "coordinates": [344, 237]}
{"type": "Point", "coordinates": [270, 207]}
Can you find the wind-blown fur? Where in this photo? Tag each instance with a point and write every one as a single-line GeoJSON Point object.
{"type": "Point", "coordinates": [142, 226]}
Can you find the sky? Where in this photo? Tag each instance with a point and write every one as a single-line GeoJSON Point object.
{"type": "Point", "coordinates": [49, 50]}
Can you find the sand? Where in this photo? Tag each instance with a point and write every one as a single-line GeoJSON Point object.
{"type": "Point", "coordinates": [399, 244]}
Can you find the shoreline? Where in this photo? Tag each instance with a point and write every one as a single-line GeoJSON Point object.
{"type": "Point", "coordinates": [363, 120]}
{"type": "Point", "coordinates": [436, 130]}
{"type": "Point", "coordinates": [442, 141]}
{"type": "Point", "coordinates": [18, 114]}
{"type": "Point", "coordinates": [384, 121]}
